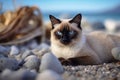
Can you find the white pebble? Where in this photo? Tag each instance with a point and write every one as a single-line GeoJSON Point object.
{"type": "Point", "coordinates": [14, 51]}
{"type": "Point", "coordinates": [32, 62]}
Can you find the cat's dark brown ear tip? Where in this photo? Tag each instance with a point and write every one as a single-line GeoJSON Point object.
{"type": "Point", "coordinates": [50, 16]}
{"type": "Point", "coordinates": [54, 20]}
{"type": "Point", "coordinates": [79, 15]}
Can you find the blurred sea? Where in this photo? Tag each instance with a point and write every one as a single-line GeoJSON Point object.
{"type": "Point", "coordinates": [91, 17]}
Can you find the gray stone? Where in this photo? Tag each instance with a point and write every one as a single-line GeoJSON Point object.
{"type": "Point", "coordinates": [41, 50]}
{"type": "Point", "coordinates": [116, 53]}
{"type": "Point", "coordinates": [43, 46]}
{"type": "Point", "coordinates": [18, 57]}
{"type": "Point", "coordinates": [4, 51]}
{"type": "Point", "coordinates": [32, 44]}
{"type": "Point", "coordinates": [14, 51]}
{"type": "Point", "coordinates": [23, 48]}
{"type": "Point", "coordinates": [2, 56]}
{"type": "Point", "coordinates": [49, 61]}
{"type": "Point", "coordinates": [8, 63]}
{"type": "Point", "coordinates": [32, 62]}
{"type": "Point", "coordinates": [24, 74]}
{"type": "Point", "coordinates": [6, 73]}
{"type": "Point", "coordinates": [21, 74]}
{"type": "Point", "coordinates": [33, 71]}
{"type": "Point", "coordinates": [26, 54]}
{"type": "Point", "coordinates": [49, 75]}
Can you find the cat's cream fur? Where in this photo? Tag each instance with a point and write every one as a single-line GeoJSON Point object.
{"type": "Point", "coordinates": [95, 47]}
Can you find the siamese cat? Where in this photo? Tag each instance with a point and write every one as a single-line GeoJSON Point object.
{"type": "Point", "coordinates": [69, 43]}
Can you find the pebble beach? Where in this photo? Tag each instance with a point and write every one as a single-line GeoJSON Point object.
{"type": "Point", "coordinates": [33, 61]}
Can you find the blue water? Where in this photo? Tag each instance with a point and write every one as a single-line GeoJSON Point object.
{"type": "Point", "coordinates": [90, 17]}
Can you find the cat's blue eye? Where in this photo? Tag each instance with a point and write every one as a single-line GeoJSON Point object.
{"type": "Point", "coordinates": [71, 32]}
{"type": "Point", "coordinates": [59, 33]}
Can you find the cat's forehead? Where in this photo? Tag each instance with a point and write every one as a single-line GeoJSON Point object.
{"type": "Point", "coordinates": [65, 24]}
{"type": "Point", "coordinates": [62, 26]}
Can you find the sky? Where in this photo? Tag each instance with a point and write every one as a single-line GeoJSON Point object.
{"type": "Point", "coordinates": [65, 5]}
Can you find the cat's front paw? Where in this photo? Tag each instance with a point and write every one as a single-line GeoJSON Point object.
{"type": "Point", "coordinates": [116, 53]}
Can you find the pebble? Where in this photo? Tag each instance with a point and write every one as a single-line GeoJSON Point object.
{"type": "Point", "coordinates": [26, 54]}
{"type": "Point", "coordinates": [72, 77]}
{"type": "Point", "coordinates": [8, 63]}
{"type": "Point", "coordinates": [50, 62]}
{"type": "Point", "coordinates": [43, 45]}
{"type": "Point", "coordinates": [14, 51]}
{"type": "Point", "coordinates": [4, 51]}
{"type": "Point", "coordinates": [41, 50]}
{"type": "Point", "coordinates": [66, 75]}
{"type": "Point", "coordinates": [32, 44]}
{"type": "Point", "coordinates": [49, 75]}
{"type": "Point", "coordinates": [22, 74]}
{"type": "Point", "coordinates": [18, 57]}
{"type": "Point", "coordinates": [6, 73]}
{"type": "Point", "coordinates": [2, 56]}
{"type": "Point", "coordinates": [23, 48]}
{"type": "Point", "coordinates": [32, 62]}
{"type": "Point", "coordinates": [33, 71]}
{"type": "Point", "coordinates": [116, 53]}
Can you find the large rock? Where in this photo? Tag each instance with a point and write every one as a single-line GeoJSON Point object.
{"type": "Point", "coordinates": [4, 51]}
{"type": "Point", "coordinates": [49, 75]}
{"type": "Point", "coordinates": [50, 62]}
{"type": "Point", "coordinates": [32, 62]}
{"type": "Point", "coordinates": [8, 63]}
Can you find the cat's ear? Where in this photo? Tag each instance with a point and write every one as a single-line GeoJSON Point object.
{"type": "Point", "coordinates": [54, 21]}
{"type": "Point", "coordinates": [77, 20]}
